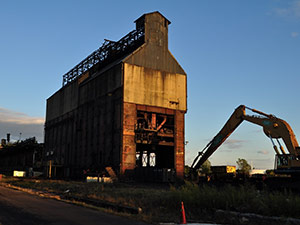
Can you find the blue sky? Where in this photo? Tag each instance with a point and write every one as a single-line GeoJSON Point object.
{"type": "Point", "coordinates": [234, 52]}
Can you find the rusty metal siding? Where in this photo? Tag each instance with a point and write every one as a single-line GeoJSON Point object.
{"type": "Point", "coordinates": [101, 84]}
{"type": "Point", "coordinates": [154, 53]}
{"type": "Point", "coordinates": [153, 57]}
{"type": "Point", "coordinates": [63, 101]}
{"type": "Point", "coordinates": [87, 136]}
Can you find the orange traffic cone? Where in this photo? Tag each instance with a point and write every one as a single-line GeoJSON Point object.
{"type": "Point", "coordinates": [183, 221]}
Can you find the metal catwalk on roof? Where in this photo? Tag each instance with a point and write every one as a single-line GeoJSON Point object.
{"type": "Point", "coordinates": [107, 53]}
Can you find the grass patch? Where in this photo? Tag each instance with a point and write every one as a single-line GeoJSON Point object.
{"type": "Point", "coordinates": [246, 199]}
{"type": "Point", "coordinates": [162, 203]}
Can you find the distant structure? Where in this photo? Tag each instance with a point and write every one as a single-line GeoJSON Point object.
{"type": "Point", "coordinates": [25, 155]}
{"type": "Point", "coordinates": [122, 107]}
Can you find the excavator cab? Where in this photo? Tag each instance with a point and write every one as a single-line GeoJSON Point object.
{"type": "Point", "coordinates": [287, 163]}
{"type": "Point", "coordinates": [284, 161]}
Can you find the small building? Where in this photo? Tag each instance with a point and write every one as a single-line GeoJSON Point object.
{"type": "Point", "coordinates": [25, 155]}
{"type": "Point", "coordinates": [123, 106]}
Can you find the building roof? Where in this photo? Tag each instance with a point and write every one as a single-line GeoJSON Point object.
{"type": "Point", "coordinates": [143, 16]}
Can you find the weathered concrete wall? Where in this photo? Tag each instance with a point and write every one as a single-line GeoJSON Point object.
{"type": "Point", "coordinates": [146, 86]}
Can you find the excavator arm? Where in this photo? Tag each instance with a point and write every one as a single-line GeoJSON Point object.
{"type": "Point", "coordinates": [233, 122]}
{"type": "Point", "coordinates": [273, 127]}
{"type": "Point", "coordinates": [276, 128]}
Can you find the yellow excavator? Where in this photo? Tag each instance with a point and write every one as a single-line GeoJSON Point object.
{"type": "Point", "coordinates": [273, 127]}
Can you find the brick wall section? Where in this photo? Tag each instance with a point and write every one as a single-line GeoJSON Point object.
{"type": "Point", "coordinates": [179, 143]}
{"type": "Point", "coordinates": [128, 145]}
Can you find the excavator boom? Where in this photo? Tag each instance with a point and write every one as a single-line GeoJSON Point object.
{"type": "Point", "coordinates": [233, 122]}
{"type": "Point", "coordinates": [273, 127]}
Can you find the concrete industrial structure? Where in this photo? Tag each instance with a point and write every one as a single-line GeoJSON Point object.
{"type": "Point", "coordinates": [123, 107]}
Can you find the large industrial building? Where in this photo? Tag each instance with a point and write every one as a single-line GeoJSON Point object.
{"type": "Point", "coordinates": [122, 107]}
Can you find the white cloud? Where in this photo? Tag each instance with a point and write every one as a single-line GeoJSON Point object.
{"type": "Point", "coordinates": [17, 123]}
{"type": "Point", "coordinates": [281, 12]}
{"type": "Point", "coordinates": [292, 10]}
{"type": "Point", "coordinates": [296, 8]}
{"type": "Point", "coordinates": [233, 143]}
{"type": "Point", "coordinates": [263, 152]}
{"type": "Point", "coordinates": [9, 116]}
{"type": "Point", "coordinates": [294, 34]}
{"type": "Point", "coordinates": [262, 163]}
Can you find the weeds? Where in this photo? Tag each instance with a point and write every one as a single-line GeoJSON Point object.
{"type": "Point", "coordinates": [158, 203]}
{"type": "Point", "coordinates": [245, 199]}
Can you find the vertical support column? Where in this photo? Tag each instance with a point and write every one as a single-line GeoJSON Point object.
{"type": "Point", "coordinates": [153, 121]}
{"type": "Point", "coordinates": [50, 169]}
{"type": "Point", "coordinates": [179, 144]}
{"type": "Point", "coordinates": [128, 151]}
